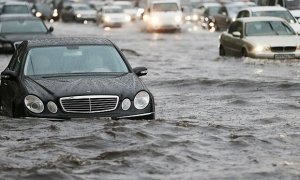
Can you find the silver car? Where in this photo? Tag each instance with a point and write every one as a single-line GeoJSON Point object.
{"type": "Point", "coordinates": [260, 37]}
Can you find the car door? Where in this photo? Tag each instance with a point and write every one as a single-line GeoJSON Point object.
{"type": "Point", "coordinates": [231, 44]}
{"type": "Point", "coordinates": [67, 13]}
{"type": "Point", "coordinates": [10, 86]}
{"type": "Point", "coordinates": [221, 20]}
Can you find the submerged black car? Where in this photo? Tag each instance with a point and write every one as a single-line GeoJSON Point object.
{"type": "Point", "coordinates": [73, 78]}
{"type": "Point", "coordinates": [16, 28]}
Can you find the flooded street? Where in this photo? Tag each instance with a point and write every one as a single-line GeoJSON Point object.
{"type": "Point", "coordinates": [217, 118]}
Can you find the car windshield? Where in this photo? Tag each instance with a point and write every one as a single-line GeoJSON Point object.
{"type": "Point", "coordinates": [81, 7]}
{"type": "Point", "coordinates": [83, 59]}
{"type": "Point", "coordinates": [159, 7]}
{"type": "Point", "coordinates": [293, 4]}
{"type": "Point", "coordinates": [213, 10]}
{"type": "Point", "coordinates": [43, 7]}
{"type": "Point", "coordinates": [23, 26]}
{"type": "Point", "coordinates": [234, 9]}
{"type": "Point", "coordinates": [15, 9]}
{"type": "Point", "coordinates": [268, 28]}
{"type": "Point", "coordinates": [282, 14]}
{"type": "Point", "coordinates": [113, 10]}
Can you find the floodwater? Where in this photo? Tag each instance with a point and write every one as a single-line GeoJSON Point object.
{"type": "Point", "coordinates": [217, 118]}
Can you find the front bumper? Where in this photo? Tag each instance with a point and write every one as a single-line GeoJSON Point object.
{"type": "Point", "coordinates": [118, 113]}
{"type": "Point", "coordinates": [275, 55]}
{"type": "Point", "coordinates": [83, 18]}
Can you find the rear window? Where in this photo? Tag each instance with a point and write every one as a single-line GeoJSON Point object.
{"type": "Point", "coordinates": [15, 9]}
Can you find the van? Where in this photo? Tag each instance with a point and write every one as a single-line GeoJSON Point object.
{"type": "Point", "coordinates": [163, 15]}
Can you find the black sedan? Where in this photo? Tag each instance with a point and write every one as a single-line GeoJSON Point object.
{"type": "Point", "coordinates": [72, 78]}
{"type": "Point", "coordinates": [16, 28]}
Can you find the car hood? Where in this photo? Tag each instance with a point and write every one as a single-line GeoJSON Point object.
{"type": "Point", "coordinates": [115, 15]}
{"type": "Point", "coordinates": [296, 27]}
{"type": "Point", "coordinates": [274, 40]}
{"type": "Point", "coordinates": [21, 37]}
{"type": "Point", "coordinates": [123, 86]}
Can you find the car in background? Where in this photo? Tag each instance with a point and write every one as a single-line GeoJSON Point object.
{"type": "Point", "coordinates": [73, 77]}
{"type": "Point", "coordinates": [128, 8]}
{"type": "Point", "coordinates": [15, 7]}
{"type": "Point", "coordinates": [97, 5]}
{"type": "Point", "coordinates": [205, 12]}
{"type": "Point", "coordinates": [16, 28]}
{"type": "Point", "coordinates": [274, 11]}
{"type": "Point", "coordinates": [163, 15]}
{"type": "Point", "coordinates": [227, 14]}
{"type": "Point", "coordinates": [44, 11]}
{"type": "Point", "coordinates": [112, 16]}
{"type": "Point", "coordinates": [78, 12]}
{"type": "Point", "coordinates": [260, 37]}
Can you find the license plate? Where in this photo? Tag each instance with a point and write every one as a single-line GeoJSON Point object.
{"type": "Point", "coordinates": [284, 56]}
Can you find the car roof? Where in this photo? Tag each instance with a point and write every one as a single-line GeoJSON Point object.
{"type": "Point", "coordinates": [262, 18]}
{"type": "Point", "coordinates": [12, 17]}
{"type": "Point", "coordinates": [264, 8]}
{"type": "Point", "coordinates": [65, 41]}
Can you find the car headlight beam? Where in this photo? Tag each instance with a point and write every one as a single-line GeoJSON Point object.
{"type": "Point", "coordinates": [141, 100]}
{"type": "Point", "coordinates": [34, 104]}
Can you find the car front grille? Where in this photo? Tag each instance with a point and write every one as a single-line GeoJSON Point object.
{"type": "Point", "coordinates": [283, 49]}
{"type": "Point", "coordinates": [89, 104]}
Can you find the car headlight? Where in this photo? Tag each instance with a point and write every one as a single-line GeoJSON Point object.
{"type": "Point", "coordinates": [127, 18]}
{"type": "Point", "coordinates": [55, 13]}
{"type": "Point", "coordinates": [78, 15]}
{"type": "Point", "coordinates": [107, 19]}
{"type": "Point", "coordinates": [261, 48]}
{"type": "Point", "coordinates": [126, 104]}
{"type": "Point", "coordinates": [178, 19]}
{"type": "Point", "coordinates": [38, 14]}
{"type": "Point", "coordinates": [154, 20]}
{"type": "Point", "coordinates": [195, 17]}
{"type": "Point", "coordinates": [141, 100]}
{"type": "Point", "coordinates": [52, 107]}
{"type": "Point", "coordinates": [34, 104]}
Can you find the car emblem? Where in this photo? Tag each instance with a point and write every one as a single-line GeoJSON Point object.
{"type": "Point", "coordinates": [88, 91]}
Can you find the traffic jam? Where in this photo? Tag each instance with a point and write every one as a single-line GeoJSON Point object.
{"type": "Point", "coordinates": [149, 89]}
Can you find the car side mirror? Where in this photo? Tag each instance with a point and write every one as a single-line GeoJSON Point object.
{"type": "Point", "coordinates": [140, 71]}
{"type": "Point", "coordinates": [8, 74]}
{"type": "Point", "coordinates": [237, 34]}
{"type": "Point", "coordinates": [51, 29]}
{"type": "Point", "coordinates": [182, 9]}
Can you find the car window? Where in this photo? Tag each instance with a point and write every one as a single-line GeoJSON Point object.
{"type": "Point", "coordinates": [15, 9]}
{"type": "Point", "coordinates": [162, 7]}
{"type": "Point", "coordinates": [22, 26]}
{"type": "Point", "coordinates": [268, 28]}
{"type": "Point", "coordinates": [222, 11]}
{"type": "Point", "coordinates": [243, 14]}
{"type": "Point", "coordinates": [235, 26]}
{"type": "Point", "coordinates": [74, 59]}
{"type": "Point", "coordinates": [281, 14]}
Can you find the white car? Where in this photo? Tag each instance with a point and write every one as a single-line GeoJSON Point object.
{"type": "Point", "coordinates": [260, 37]}
{"type": "Point", "coordinates": [274, 11]}
{"type": "Point", "coordinates": [163, 15]}
{"type": "Point", "coordinates": [128, 8]}
{"type": "Point", "coordinates": [112, 16]}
